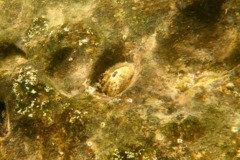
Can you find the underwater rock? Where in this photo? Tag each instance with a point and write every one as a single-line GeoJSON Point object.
{"type": "Point", "coordinates": [122, 80]}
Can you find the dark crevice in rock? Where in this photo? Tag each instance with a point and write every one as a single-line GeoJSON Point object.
{"type": "Point", "coordinates": [112, 54]}
{"type": "Point", "coordinates": [2, 112]}
{"type": "Point", "coordinates": [198, 18]}
{"type": "Point", "coordinates": [234, 58]}
{"type": "Point", "coordinates": [3, 117]}
{"type": "Point", "coordinates": [205, 11]}
{"type": "Point", "coordinates": [59, 59]}
{"type": "Point", "coordinates": [8, 49]}
{"type": "Point", "coordinates": [195, 25]}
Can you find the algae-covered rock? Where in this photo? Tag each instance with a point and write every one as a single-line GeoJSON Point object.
{"type": "Point", "coordinates": [119, 79]}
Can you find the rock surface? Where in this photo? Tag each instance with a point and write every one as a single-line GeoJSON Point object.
{"type": "Point", "coordinates": [175, 94]}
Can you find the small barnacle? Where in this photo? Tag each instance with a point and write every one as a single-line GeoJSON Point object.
{"type": "Point", "coordinates": [33, 91]}
{"type": "Point", "coordinates": [179, 141]}
{"type": "Point", "coordinates": [89, 143]}
{"type": "Point", "coordinates": [234, 129]}
{"type": "Point", "coordinates": [103, 124]}
{"type": "Point", "coordinates": [117, 78]}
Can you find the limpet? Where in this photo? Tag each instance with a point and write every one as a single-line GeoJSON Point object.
{"type": "Point", "coordinates": [117, 78]}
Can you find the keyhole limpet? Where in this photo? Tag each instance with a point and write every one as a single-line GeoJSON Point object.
{"type": "Point", "coordinates": [117, 78]}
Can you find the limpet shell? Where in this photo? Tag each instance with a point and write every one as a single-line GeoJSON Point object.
{"type": "Point", "coordinates": [117, 78]}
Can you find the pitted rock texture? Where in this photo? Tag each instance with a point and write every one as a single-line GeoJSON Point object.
{"type": "Point", "coordinates": [119, 79]}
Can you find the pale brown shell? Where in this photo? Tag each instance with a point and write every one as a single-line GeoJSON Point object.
{"type": "Point", "coordinates": [117, 78]}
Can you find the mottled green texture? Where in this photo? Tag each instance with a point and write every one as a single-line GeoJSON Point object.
{"type": "Point", "coordinates": [180, 99]}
